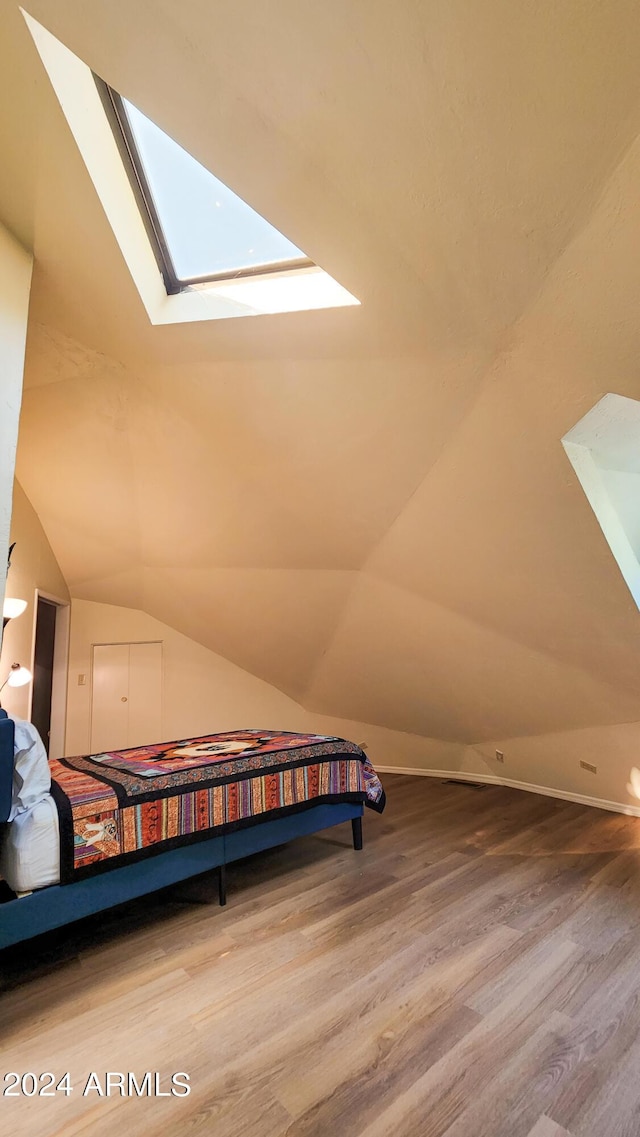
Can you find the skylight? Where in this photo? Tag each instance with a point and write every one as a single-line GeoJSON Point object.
{"type": "Point", "coordinates": [604, 450]}
{"type": "Point", "coordinates": [210, 231]}
{"type": "Point", "coordinates": [202, 229]}
{"type": "Point", "coordinates": [214, 261]}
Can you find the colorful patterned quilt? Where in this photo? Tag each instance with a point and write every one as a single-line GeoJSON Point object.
{"type": "Point", "coordinates": [123, 805]}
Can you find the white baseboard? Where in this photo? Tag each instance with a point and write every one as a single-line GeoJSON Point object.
{"type": "Point", "coordinates": [528, 787]}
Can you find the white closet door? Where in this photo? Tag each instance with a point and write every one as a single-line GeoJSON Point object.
{"type": "Point", "coordinates": [110, 697]}
{"type": "Point", "coordinates": [126, 695]}
{"type": "Point", "coordinates": [145, 693]}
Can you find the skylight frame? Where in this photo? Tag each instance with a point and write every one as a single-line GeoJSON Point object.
{"type": "Point", "coordinates": [118, 118]}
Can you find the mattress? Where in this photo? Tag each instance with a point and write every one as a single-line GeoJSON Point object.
{"type": "Point", "coordinates": [30, 852]}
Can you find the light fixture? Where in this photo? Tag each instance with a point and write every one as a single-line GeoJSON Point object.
{"type": "Point", "coordinates": [11, 608]}
{"type": "Point", "coordinates": [18, 676]}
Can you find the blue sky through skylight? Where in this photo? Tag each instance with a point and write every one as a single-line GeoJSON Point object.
{"type": "Point", "coordinates": [207, 227]}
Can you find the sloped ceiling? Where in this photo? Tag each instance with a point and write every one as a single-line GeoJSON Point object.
{"type": "Point", "coordinates": [369, 508]}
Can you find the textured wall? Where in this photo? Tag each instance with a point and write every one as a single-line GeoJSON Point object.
{"type": "Point", "coordinates": [368, 509]}
{"type": "Point", "coordinates": [33, 566]}
{"type": "Point", "coordinates": [15, 283]}
{"type": "Point", "coordinates": [202, 692]}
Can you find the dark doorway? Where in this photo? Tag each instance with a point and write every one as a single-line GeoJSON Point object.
{"type": "Point", "coordinates": [43, 668]}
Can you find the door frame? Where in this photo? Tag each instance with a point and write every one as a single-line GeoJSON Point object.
{"type": "Point", "coordinates": [60, 678]}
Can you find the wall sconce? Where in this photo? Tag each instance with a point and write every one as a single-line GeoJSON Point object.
{"type": "Point", "coordinates": [18, 676]}
{"type": "Point", "coordinates": [12, 608]}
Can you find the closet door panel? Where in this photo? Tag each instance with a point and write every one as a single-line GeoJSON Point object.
{"type": "Point", "coordinates": [110, 697]}
{"type": "Point", "coordinates": [145, 694]}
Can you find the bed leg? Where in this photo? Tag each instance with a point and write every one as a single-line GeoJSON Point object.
{"type": "Point", "coordinates": [356, 825]}
{"type": "Point", "coordinates": [222, 884]}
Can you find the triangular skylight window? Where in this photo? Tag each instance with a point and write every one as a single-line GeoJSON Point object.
{"type": "Point", "coordinates": [203, 231]}
{"type": "Point", "coordinates": [604, 450]}
{"type": "Point", "coordinates": [218, 258]}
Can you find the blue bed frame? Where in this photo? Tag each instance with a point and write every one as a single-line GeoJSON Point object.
{"type": "Point", "coordinates": [57, 905]}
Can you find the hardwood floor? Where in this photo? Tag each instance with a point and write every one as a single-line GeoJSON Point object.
{"type": "Point", "coordinates": [474, 972]}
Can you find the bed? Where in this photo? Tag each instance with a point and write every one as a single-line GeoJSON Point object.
{"type": "Point", "coordinates": [116, 826]}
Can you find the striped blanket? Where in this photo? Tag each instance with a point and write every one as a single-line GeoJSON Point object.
{"type": "Point", "coordinates": [121, 806]}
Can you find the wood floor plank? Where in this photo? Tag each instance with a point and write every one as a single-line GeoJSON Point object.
{"type": "Point", "coordinates": [471, 973]}
{"type": "Point", "coordinates": [381, 1024]}
{"type": "Point", "coordinates": [355, 1100]}
{"type": "Point", "coordinates": [615, 1109]}
{"type": "Point", "coordinates": [545, 1127]}
{"type": "Point", "coordinates": [509, 1100]}
{"type": "Point", "coordinates": [439, 1096]}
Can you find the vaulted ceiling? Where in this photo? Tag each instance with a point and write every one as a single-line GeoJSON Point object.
{"type": "Point", "coordinates": [368, 507]}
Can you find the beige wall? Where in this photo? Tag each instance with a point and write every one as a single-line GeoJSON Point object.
{"type": "Point", "coordinates": [15, 285]}
{"type": "Point", "coordinates": [370, 509]}
{"type": "Point", "coordinates": [552, 761]}
{"type": "Point", "coordinates": [546, 763]}
{"type": "Point", "coordinates": [204, 692]}
{"type": "Point", "coordinates": [392, 749]}
{"type": "Point", "coordinates": [33, 566]}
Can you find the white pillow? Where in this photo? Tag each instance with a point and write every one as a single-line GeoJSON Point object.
{"type": "Point", "coordinates": [31, 776]}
